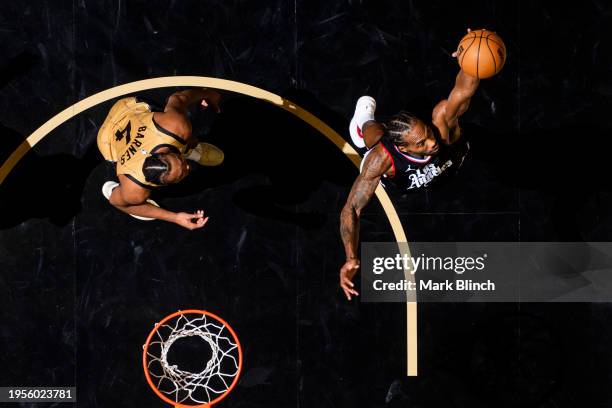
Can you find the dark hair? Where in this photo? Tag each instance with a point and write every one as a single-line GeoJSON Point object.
{"type": "Point", "coordinates": [398, 125]}
{"type": "Point", "coordinates": [154, 168]}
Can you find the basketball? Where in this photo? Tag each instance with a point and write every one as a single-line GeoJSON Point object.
{"type": "Point", "coordinates": [481, 53]}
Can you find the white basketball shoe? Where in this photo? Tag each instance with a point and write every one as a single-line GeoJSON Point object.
{"type": "Point", "coordinates": [364, 111]}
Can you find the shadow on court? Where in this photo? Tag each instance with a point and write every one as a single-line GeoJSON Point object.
{"type": "Point", "coordinates": [258, 138]}
{"type": "Point", "coordinates": [42, 186]}
{"type": "Point", "coordinates": [556, 183]}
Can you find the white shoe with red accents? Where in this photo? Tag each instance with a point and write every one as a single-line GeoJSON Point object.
{"type": "Point", "coordinates": [364, 111]}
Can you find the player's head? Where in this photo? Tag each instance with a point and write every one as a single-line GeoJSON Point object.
{"type": "Point", "coordinates": [165, 168]}
{"type": "Point", "coordinates": [411, 135]}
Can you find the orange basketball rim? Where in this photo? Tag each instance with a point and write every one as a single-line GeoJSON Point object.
{"type": "Point", "coordinates": [184, 389]}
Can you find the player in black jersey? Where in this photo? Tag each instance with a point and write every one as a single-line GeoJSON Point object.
{"type": "Point", "coordinates": [404, 153]}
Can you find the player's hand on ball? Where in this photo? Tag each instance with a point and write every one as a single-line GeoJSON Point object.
{"type": "Point", "coordinates": [454, 54]}
{"type": "Point", "coordinates": [191, 221]}
{"type": "Point", "coordinates": [347, 272]}
{"type": "Point", "coordinates": [481, 53]}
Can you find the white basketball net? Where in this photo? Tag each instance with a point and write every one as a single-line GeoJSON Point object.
{"type": "Point", "coordinates": [184, 386]}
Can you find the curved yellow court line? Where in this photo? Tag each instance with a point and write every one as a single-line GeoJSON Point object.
{"type": "Point", "coordinates": [244, 89]}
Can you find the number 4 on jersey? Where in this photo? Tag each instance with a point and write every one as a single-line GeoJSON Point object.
{"type": "Point", "coordinates": [120, 134]}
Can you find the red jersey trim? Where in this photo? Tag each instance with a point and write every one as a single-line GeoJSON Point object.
{"type": "Point", "coordinates": [391, 157]}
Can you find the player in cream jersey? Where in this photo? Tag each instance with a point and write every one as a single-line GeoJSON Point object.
{"type": "Point", "coordinates": [152, 149]}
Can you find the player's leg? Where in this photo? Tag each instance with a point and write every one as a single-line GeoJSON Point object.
{"type": "Point", "coordinates": [362, 118]}
{"type": "Point", "coordinates": [107, 190]}
{"type": "Point", "coordinates": [372, 132]}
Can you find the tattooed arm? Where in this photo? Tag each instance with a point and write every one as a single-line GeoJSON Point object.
{"type": "Point", "coordinates": [375, 165]}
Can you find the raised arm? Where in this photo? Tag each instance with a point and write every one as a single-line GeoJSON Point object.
{"type": "Point", "coordinates": [375, 165]}
{"type": "Point", "coordinates": [459, 98]}
{"type": "Point", "coordinates": [181, 101]}
{"type": "Point", "coordinates": [174, 117]}
{"type": "Point", "coordinates": [446, 113]}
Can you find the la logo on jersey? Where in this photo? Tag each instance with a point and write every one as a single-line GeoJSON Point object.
{"type": "Point", "coordinates": [424, 176]}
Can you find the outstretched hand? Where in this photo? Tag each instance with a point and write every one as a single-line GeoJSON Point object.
{"type": "Point", "coordinates": [191, 221]}
{"type": "Point", "coordinates": [212, 99]}
{"type": "Point", "coordinates": [454, 54]}
{"type": "Point", "coordinates": [347, 272]}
